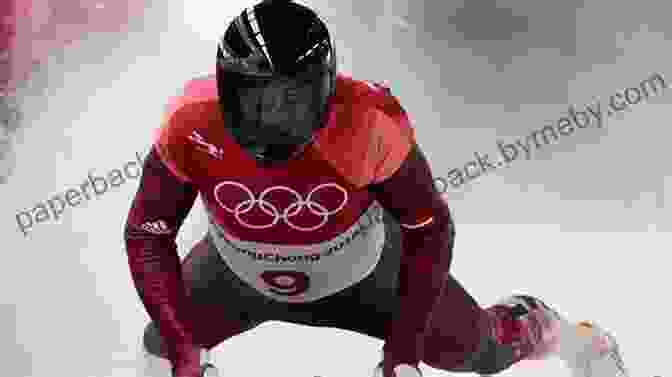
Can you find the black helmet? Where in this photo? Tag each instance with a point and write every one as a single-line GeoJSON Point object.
{"type": "Point", "coordinates": [276, 74]}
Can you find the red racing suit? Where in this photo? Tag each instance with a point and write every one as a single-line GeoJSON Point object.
{"type": "Point", "coordinates": [316, 208]}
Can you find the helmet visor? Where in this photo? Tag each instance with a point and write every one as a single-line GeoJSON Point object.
{"type": "Point", "coordinates": [281, 110]}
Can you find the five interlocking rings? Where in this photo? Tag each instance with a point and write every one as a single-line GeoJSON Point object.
{"type": "Point", "coordinates": [271, 210]}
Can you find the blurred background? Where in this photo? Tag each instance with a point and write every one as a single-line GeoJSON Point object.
{"type": "Point", "coordinates": [585, 223]}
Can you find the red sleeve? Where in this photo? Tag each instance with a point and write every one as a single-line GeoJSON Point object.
{"type": "Point", "coordinates": [158, 210]}
{"type": "Point", "coordinates": [428, 236]}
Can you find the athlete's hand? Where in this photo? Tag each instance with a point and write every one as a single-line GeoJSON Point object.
{"type": "Point", "coordinates": [400, 370]}
{"type": "Point", "coordinates": [188, 363]}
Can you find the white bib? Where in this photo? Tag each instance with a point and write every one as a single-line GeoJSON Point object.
{"type": "Point", "coordinates": [304, 273]}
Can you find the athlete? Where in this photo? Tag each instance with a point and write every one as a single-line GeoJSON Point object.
{"type": "Point", "coordinates": [322, 212]}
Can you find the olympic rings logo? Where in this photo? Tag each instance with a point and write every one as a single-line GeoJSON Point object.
{"type": "Point", "coordinates": [276, 214]}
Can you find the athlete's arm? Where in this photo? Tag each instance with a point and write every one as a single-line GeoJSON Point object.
{"type": "Point", "coordinates": [152, 252]}
{"type": "Point", "coordinates": [428, 237]}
